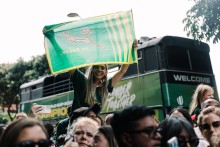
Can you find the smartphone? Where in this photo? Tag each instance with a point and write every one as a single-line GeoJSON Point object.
{"type": "Point", "coordinates": [173, 142]}
{"type": "Point", "coordinates": [42, 109]}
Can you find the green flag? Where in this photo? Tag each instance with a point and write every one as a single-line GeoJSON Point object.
{"type": "Point", "coordinates": [105, 39]}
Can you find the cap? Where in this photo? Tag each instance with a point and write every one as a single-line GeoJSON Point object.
{"type": "Point", "coordinates": [96, 108]}
{"type": "Point", "coordinates": [78, 112]}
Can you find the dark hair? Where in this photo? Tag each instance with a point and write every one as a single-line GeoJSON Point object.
{"type": "Point", "coordinates": [173, 126]}
{"type": "Point", "coordinates": [96, 108]}
{"type": "Point", "coordinates": [50, 129]}
{"type": "Point", "coordinates": [107, 131]}
{"type": "Point", "coordinates": [69, 113]}
{"type": "Point", "coordinates": [78, 113]}
{"type": "Point", "coordinates": [11, 133]}
{"type": "Point", "coordinates": [125, 120]}
{"type": "Point", "coordinates": [184, 112]}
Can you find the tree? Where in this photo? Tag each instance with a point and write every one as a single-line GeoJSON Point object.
{"type": "Point", "coordinates": [14, 75]}
{"type": "Point", "coordinates": [39, 67]}
{"type": "Point", "coordinates": [13, 78]}
{"type": "Point", "coordinates": [203, 20]}
{"type": "Point", "coordinates": [3, 82]}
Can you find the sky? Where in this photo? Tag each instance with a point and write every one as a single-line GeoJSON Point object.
{"type": "Point", "coordinates": [22, 22]}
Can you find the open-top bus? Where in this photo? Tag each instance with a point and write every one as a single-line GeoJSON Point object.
{"type": "Point", "coordinates": [168, 70]}
{"type": "Point", "coordinates": [55, 92]}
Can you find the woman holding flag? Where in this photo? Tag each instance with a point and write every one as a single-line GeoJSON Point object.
{"type": "Point", "coordinates": [93, 87]}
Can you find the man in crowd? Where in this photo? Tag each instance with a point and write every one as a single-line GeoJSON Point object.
{"type": "Point", "coordinates": [136, 126]}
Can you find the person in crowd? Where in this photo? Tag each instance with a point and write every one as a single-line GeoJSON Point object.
{"type": "Point", "coordinates": [201, 93]}
{"type": "Point", "coordinates": [179, 111]}
{"type": "Point", "coordinates": [25, 132]}
{"type": "Point", "coordinates": [209, 121]}
{"type": "Point", "coordinates": [105, 137]}
{"type": "Point", "coordinates": [93, 87]}
{"type": "Point", "coordinates": [136, 126]}
{"type": "Point", "coordinates": [84, 130]}
{"type": "Point", "coordinates": [50, 131]}
{"type": "Point", "coordinates": [206, 103]}
{"type": "Point", "coordinates": [90, 112]}
{"type": "Point", "coordinates": [62, 125]}
{"type": "Point", "coordinates": [180, 127]}
{"type": "Point", "coordinates": [210, 102]}
{"type": "Point", "coordinates": [108, 118]}
{"type": "Point", "coordinates": [20, 115]}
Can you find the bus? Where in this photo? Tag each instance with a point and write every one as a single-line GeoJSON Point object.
{"type": "Point", "coordinates": [55, 92]}
{"type": "Point", "coordinates": [168, 70]}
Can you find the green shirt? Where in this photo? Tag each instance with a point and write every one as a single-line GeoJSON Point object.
{"type": "Point", "coordinates": [79, 85]}
{"type": "Point", "coordinates": [62, 127]}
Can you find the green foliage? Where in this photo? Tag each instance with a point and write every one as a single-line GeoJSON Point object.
{"type": "Point", "coordinates": [14, 75]}
{"type": "Point", "coordinates": [203, 20]}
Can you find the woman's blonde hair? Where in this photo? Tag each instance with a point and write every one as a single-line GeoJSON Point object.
{"type": "Point", "coordinates": [198, 94]}
{"type": "Point", "coordinates": [91, 90]}
{"type": "Point", "coordinates": [84, 120]}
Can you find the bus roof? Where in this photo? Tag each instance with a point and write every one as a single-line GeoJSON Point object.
{"type": "Point", "coordinates": [174, 40]}
{"type": "Point", "coordinates": [33, 82]}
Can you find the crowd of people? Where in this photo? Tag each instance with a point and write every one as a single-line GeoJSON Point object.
{"type": "Point", "coordinates": [135, 126]}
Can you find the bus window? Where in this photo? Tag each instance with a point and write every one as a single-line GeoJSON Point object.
{"type": "Point", "coordinates": [48, 86]}
{"type": "Point", "coordinates": [62, 83]}
{"type": "Point", "coordinates": [37, 91]}
{"type": "Point", "coordinates": [25, 94]}
{"type": "Point", "coordinates": [150, 59]}
{"type": "Point", "coordinates": [178, 58]}
{"type": "Point", "coordinates": [200, 61]}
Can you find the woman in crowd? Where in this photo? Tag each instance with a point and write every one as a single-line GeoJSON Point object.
{"type": "Point", "coordinates": [201, 93]}
{"type": "Point", "coordinates": [209, 121]}
{"type": "Point", "coordinates": [25, 133]}
{"type": "Point", "coordinates": [93, 87]}
{"type": "Point", "coordinates": [105, 137]}
{"type": "Point", "coordinates": [179, 111]}
{"type": "Point", "coordinates": [84, 130]}
{"type": "Point", "coordinates": [178, 127]}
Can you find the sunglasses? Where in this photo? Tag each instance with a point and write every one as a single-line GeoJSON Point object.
{"type": "Point", "coordinates": [214, 124]}
{"type": "Point", "coordinates": [40, 143]}
{"type": "Point", "coordinates": [183, 142]}
{"type": "Point", "coordinates": [150, 131]}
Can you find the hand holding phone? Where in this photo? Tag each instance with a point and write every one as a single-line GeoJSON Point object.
{"type": "Point", "coordinates": [40, 109]}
